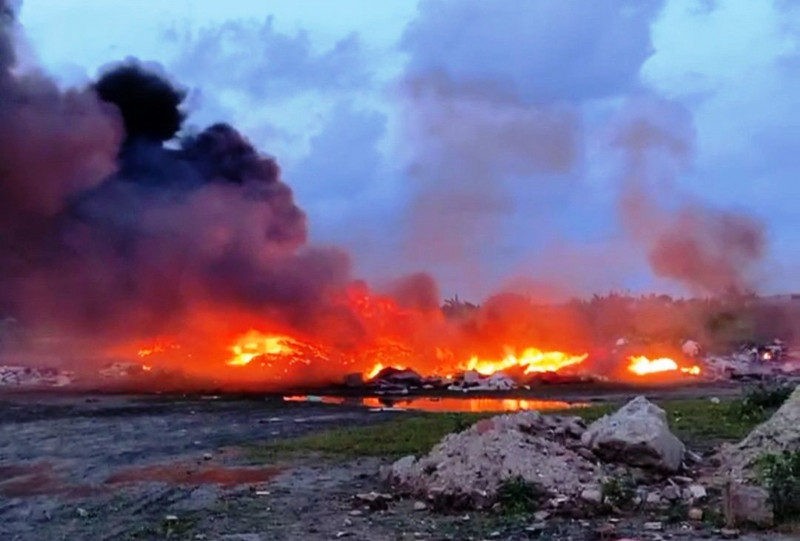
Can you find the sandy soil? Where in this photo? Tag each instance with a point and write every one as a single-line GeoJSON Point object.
{"type": "Point", "coordinates": [126, 467]}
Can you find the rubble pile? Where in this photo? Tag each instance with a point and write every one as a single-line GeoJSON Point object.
{"type": "Point", "coordinates": [467, 468]}
{"type": "Point", "coordinates": [571, 464]}
{"type": "Point", "coordinates": [475, 381]}
{"type": "Point", "coordinates": [18, 376]}
{"type": "Point", "coordinates": [781, 432]}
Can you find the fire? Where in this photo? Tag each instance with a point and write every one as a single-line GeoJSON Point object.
{"type": "Point", "coordinates": [375, 370]}
{"type": "Point", "coordinates": [532, 360]}
{"type": "Point", "coordinates": [255, 344]}
{"type": "Point", "coordinates": [641, 366]}
{"type": "Point", "coordinates": [159, 346]}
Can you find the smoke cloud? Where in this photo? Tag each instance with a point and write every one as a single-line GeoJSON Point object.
{"type": "Point", "coordinates": [108, 230]}
{"type": "Point", "coordinates": [708, 250]}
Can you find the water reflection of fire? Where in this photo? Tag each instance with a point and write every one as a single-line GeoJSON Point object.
{"type": "Point", "coordinates": [443, 405]}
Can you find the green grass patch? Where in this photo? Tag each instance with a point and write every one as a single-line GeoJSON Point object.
{"type": "Point", "coordinates": [699, 423]}
{"type": "Point", "coordinates": [398, 437]}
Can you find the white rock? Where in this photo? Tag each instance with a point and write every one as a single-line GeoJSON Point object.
{"type": "Point", "coordinates": [420, 506]}
{"type": "Point", "coordinates": [592, 495]}
{"type": "Point", "coordinates": [697, 492]}
{"type": "Point", "coordinates": [653, 526]}
{"type": "Point", "coordinates": [637, 434]}
{"type": "Point", "coordinates": [695, 514]}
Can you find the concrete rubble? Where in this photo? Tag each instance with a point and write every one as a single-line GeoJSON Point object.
{"type": "Point", "coordinates": [465, 470]}
{"type": "Point", "coordinates": [638, 434]}
{"type": "Point", "coordinates": [781, 432]}
{"type": "Point", "coordinates": [747, 502]}
{"type": "Point", "coordinates": [557, 454]}
{"type": "Point", "coordinates": [14, 376]}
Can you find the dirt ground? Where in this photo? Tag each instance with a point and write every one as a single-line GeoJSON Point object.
{"type": "Point", "coordinates": [132, 467]}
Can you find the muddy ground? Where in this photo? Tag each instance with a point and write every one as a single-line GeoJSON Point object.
{"type": "Point", "coordinates": [76, 467]}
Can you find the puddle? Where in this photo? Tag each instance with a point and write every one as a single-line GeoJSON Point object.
{"type": "Point", "coordinates": [189, 474]}
{"type": "Point", "coordinates": [38, 479]}
{"type": "Point", "coordinates": [435, 404]}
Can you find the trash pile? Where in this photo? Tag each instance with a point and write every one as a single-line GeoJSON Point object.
{"type": "Point", "coordinates": [570, 464]}
{"type": "Point", "coordinates": [19, 376]}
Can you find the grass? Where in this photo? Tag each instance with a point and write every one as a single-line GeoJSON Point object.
{"type": "Point", "coordinates": [699, 423]}
{"type": "Point", "coordinates": [398, 437]}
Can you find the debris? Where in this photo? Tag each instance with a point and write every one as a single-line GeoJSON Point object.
{"type": "Point", "coordinates": [637, 434]}
{"type": "Point", "coordinates": [781, 432]}
{"type": "Point", "coordinates": [653, 526]}
{"type": "Point", "coordinates": [29, 376]}
{"type": "Point", "coordinates": [375, 501]}
{"type": "Point", "coordinates": [83, 513]}
{"type": "Point", "coordinates": [696, 493]}
{"type": "Point", "coordinates": [466, 469]}
{"type": "Point", "coordinates": [729, 533]}
{"type": "Point", "coordinates": [748, 504]}
{"type": "Point", "coordinates": [696, 514]}
{"type": "Point", "coordinates": [207, 456]}
{"type": "Point", "coordinates": [420, 506]}
{"type": "Point", "coordinates": [592, 495]}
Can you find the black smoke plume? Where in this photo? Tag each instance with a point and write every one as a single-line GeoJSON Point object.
{"type": "Point", "coordinates": [107, 231]}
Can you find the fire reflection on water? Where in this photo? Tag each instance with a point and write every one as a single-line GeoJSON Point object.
{"type": "Point", "coordinates": [444, 405]}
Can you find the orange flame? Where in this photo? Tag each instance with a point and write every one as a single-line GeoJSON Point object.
{"type": "Point", "coordinates": [641, 366]}
{"type": "Point", "coordinates": [375, 370]}
{"type": "Point", "coordinates": [255, 344]}
{"type": "Point", "coordinates": [532, 360]}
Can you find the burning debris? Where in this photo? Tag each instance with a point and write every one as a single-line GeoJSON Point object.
{"type": "Point", "coordinates": [177, 250]}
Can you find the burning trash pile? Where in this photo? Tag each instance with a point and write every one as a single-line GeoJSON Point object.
{"type": "Point", "coordinates": [186, 251]}
{"type": "Point", "coordinates": [569, 465]}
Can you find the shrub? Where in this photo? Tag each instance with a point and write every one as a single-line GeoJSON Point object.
{"type": "Point", "coordinates": [619, 492]}
{"type": "Point", "coordinates": [781, 474]}
{"type": "Point", "coordinates": [760, 401]}
{"type": "Point", "coordinates": [517, 496]}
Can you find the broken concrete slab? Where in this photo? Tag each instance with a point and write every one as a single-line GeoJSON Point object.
{"type": "Point", "coordinates": [637, 434]}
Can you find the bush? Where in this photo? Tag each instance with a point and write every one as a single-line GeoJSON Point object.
{"type": "Point", "coordinates": [619, 492]}
{"type": "Point", "coordinates": [781, 474]}
{"type": "Point", "coordinates": [768, 397]}
{"type": "Point", "coordinates": [518, 496]}
{"type": "Point", "coordinates": [760, 401]}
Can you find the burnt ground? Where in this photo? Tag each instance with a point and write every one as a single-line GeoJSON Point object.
{"type": "Point", "coordinates": [76, 467]}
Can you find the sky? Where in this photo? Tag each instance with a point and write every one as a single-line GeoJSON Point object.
{"type": "Point", "coordinates": [484, 141]}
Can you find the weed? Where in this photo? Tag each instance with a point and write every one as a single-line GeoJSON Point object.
{"type": "Point", "coordinates": [619, 492]}
{"type": "Point", "coordinates": [760, 402]}
{"type": "Point", "coordinates": [517, 496]}
{"type": "Point", "coordinates": [781, 473]}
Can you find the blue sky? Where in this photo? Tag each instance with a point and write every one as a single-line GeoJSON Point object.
{"type": "Point", "coordinates": [475, 139]}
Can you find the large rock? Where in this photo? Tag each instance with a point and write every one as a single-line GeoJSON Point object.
{"type": "Point", "coordinates": [637, 434]}
{"type": "Point", "coordinates": [466, 469]}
